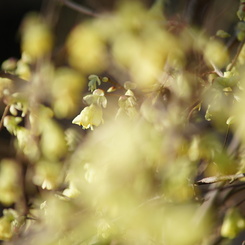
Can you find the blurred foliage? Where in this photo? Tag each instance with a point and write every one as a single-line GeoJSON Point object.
{"type": "Point", "coordinates": [160, 104]}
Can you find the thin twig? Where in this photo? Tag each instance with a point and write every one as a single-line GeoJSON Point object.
{"type": "Point", "coordinates": [215, 179]}
{"type": "Point", "coordinates": [210, 199]}
{"type": "Point", "coordinates": [79, 8]}
{"type": "Point", "coordinates": [239, 49]}
{"type": "Point", "coordinates": [5, 112]}
{"type": "Point", "coordinates": [195, 106]}
{"type": "Point", "coordinates": [226, 136]}
{"type": "Point", "coordinates": [10, 76]}
{"type": "Point", "coordinates": [216, 70]}
{"type": "Point", "coordinates": [235, 142]}
{"type": "Point", "coordinates": [240, 184]}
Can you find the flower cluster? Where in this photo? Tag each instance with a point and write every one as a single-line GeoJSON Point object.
{"type": "Point", "coordinates": [92, 115]}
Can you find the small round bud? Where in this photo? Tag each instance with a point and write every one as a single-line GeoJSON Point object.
{"type": "Point", "coordinates": [111, 89]}
{"type": "Point", "coordinates": [222, 34]}
{"type": "Point", "coordinates": [9, 64]}
{"type": "Point", "coordinates": [105, 79]}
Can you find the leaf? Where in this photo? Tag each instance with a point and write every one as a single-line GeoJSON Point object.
{"type": "Point", "coordinates": [222, 34]}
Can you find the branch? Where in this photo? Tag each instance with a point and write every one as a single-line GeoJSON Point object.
{"type": "Point", "coordinates": [214, 179]}
{"type": "Point", "coordinates": [12, 77]}
{"type": "Point", "coordinates": [239, 49]}
{"type": "Point", "coordinates": [216, 70]}
{"type": "Point", "coordinates": [79, 8]}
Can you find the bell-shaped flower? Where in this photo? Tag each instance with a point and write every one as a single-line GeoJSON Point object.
{"type": "Point", "coordinates": [90, 116]}
{"type": "Point", "coordinates": [98, 97]}
{"type": "Point", "coordinates": [127, 104]}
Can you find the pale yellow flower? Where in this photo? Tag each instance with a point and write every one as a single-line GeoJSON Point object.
{"type": "Point", "coordinates": [90, 116]}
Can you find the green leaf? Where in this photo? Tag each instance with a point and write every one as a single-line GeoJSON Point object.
{"type": "Point", "coordinates": [93, 81]}
{"type": "Point", "coordinates": [222, 34]}
{"type": "Point", "coordinates": [226, 82]}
